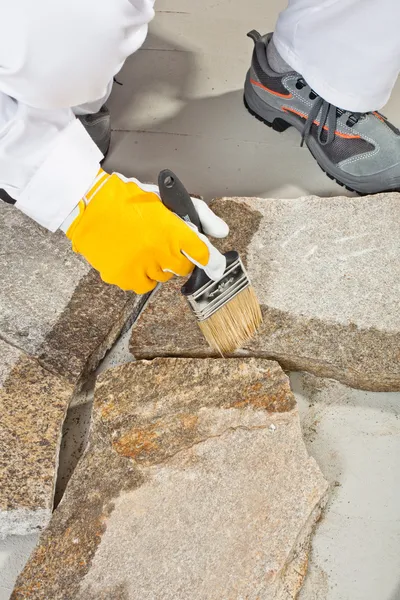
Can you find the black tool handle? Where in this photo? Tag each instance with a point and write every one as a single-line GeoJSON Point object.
{"type": "Point", "coordinates": [175, 197]}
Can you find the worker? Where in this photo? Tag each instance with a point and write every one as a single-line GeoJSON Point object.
{"type": "Point", "coordinates": [327, 70]}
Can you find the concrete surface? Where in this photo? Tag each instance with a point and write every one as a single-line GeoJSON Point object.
{"type": "Point", "coordinates": [180, 107]}
{"type": "Point", "coordinates": [219, 497]}
{"type": "Point", "coordinates": [355, 438]}
{"type": "Point", "coordinates": [14, 552]}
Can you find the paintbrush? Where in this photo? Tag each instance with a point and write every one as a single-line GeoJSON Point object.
{"type": "Point", "coordinates": [227, 311]}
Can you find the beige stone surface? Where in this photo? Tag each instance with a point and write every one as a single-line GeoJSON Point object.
{"type": "Point", "coordinates": [33, 403]}
{"type": "Point", "coordinates": [196, 484]}
{"type": "Point", "coordinates": [57, 320]}
{"type": "Point", "coordinates": [52, 304]}
{"type": "Point", "coordinates": [327, 274]}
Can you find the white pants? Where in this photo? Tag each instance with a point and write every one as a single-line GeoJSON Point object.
{"type": "Point", "coordinates": [348, 51]}
{"type": "Point", "coordinates": [57, 55]}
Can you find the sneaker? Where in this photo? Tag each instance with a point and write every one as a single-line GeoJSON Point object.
{"type": "Point", "coordinates": [361, 151]}
{"type": "Point", "coordinates": [98, 126]}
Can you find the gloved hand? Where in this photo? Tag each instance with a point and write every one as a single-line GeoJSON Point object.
{"type": "Point", "coordinates": [126, 233]}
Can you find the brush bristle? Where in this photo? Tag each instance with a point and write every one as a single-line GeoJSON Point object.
{"type": "Point", "coordinates": [234, 323]}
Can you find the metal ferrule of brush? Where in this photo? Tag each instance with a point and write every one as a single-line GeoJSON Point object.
{"type": "Point", "coordinates": [212, 295]}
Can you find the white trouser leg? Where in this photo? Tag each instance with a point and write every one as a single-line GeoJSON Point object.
{"type": "Point", "coordinates": [348, 51]}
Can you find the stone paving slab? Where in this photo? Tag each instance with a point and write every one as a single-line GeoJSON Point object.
{"type": "Point", "coordinates": [57, 319]}
{"type": "Point", "coordinates": [33, 403]}
{"type": "Point", "coordinates": [327, 274]}
{"type": "Point", "coordinates": [196, 484]}
{"type": "Point", "coordinates": [53, 306]}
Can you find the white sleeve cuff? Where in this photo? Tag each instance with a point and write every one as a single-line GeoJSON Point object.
{"type": "Point", "coordinates": [63, 179]}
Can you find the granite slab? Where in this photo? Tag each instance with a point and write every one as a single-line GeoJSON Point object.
{"type": "Point", "coordinates": [196, 484]}
{"type": "Point", "coordinates": [53, 306]}
{"type": "Point", "coordinates": [33, 403]}
{"type": "Point", "coordinates": [327, 275]}
{"type": "Point", "coordinates": [57, 320]}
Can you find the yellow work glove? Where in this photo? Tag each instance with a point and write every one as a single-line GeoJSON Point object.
{"type": "Point", "coordinates": [126, 233]}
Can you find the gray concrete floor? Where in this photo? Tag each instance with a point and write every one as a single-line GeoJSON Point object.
{"type": "Point", "coordinates": [180, 107]}
{"type": "Point", "coordinates": [355, 438]}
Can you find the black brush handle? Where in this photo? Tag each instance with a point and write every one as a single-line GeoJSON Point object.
{"type": "Point", "coordinates": [175, 197]}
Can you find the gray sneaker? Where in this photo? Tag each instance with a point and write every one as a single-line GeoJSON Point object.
{"type": "Point", "coordinates": [98, 126]}
{"type": "Point", "coordinates": [361, 151]}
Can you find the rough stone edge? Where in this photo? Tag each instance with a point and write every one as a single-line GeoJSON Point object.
{"type": "Point", "coordinates": [25, 521]}
{"type": "Point", "coordinates": [297, 364]}
{"type": "Point", "coordinates": [325, 370]}
{"type": "Point", "coordinates": [86, 327]}
{"type": "Point", "coordinates": [292, 362]}
{"type": "Point", "coordinates": [297, 567]}
{"type": "Point", "coordinates": [131, 308]}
